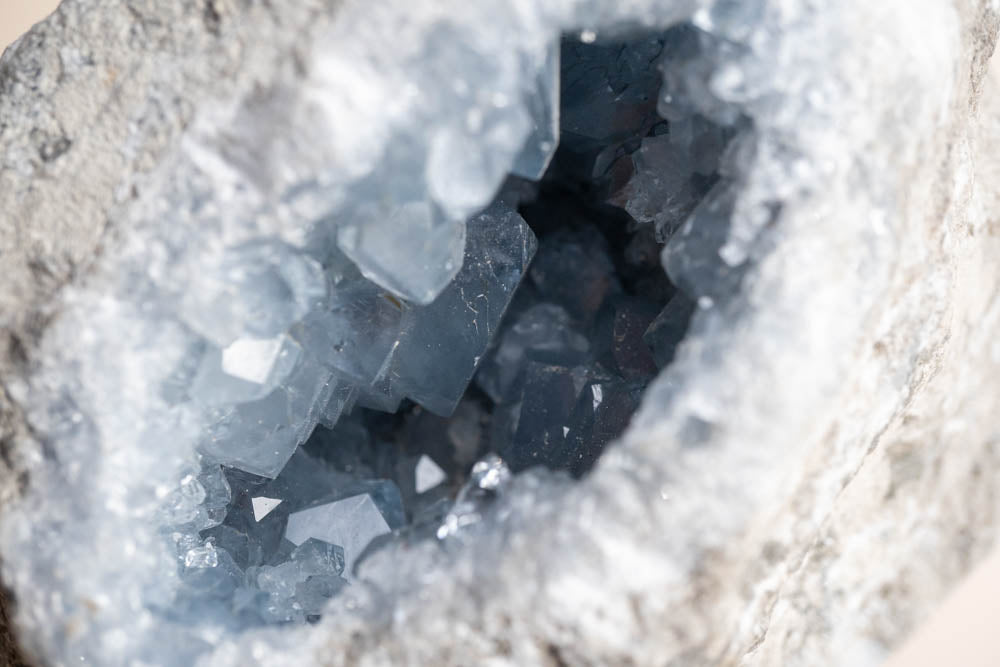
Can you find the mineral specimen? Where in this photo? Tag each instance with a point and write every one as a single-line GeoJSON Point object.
{"type": "Point", "coordinates": [325, 232]}
{"type": "Point", "coordinates": [368, 328]}
{"type": "Point", "coordinates": [391, 300]}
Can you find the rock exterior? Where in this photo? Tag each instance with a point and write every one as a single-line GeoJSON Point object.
{"type": "Point", "coordinates": [803, 481]}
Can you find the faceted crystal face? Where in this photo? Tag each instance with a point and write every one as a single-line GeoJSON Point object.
{"type": "Point", "coordinates": [411, 250]}
{"type": "Point", "coordinates": [316, 557]}
{"type": "Point", "coordinates": [351, 523]}
{"type": "Point", "coordinates": [246, 370]}
{"type": "Point", "coordinates": [428, 474]}
{"type": "Point", "coordinates": [543, 102]}
{"type": "Point", "coordinates": [442, 344]}
{"type": "Point", "coordinates": [262, 506]}
{"type": "Point", "coordinates": [667, 330]}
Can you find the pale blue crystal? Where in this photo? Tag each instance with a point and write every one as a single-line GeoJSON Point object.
{"type": "Point", "coordinates": [357, 328]}
{"type": "Point", "coordinates": [318, 557]}
{"type": "Point", "coordinates": [258, 289]}
{"type": "Point", "coordinates": [260, 437]}
{"type": "Point", "coordinates": [441, 344]}
{"type": "Point", "coordinates": [668, 329]}
{"type": "Point", "coordinates": [543, 103]}
{"type": "Point", "coordinates": [692, 257]}
{"type": "Point", "coordinates": [352, 522]}
{"type": "Point", "coordinates": [246, 370]}
{"type": "Point", "coordinates": [488, 479]}
{"type": "Point", "coordinates": [313, 594]}
{"type": "Point", "coordinates": [410, 249]}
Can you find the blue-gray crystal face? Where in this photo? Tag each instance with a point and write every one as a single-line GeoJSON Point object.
{"type": "Point", "coordinates": [440, 345]}
{"type": "Point", "coordinates": [417, 360]}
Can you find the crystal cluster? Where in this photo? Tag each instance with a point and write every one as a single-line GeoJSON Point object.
{"type": "Point", "coordinates": [559, 375]}
{"type": "Point", "coordinates": [359, 343]}
{"type": "Point", "coordinates": [228, 416]}
{"type": "Point", "coordinates": [287, 529]}
{"type": "Point", "coordinates": [387, 369]}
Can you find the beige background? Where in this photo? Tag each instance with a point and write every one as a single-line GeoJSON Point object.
{"type": "Point", "coordinates": [16, 16]}
{"type": "Point", "coordinates": [962, 632]}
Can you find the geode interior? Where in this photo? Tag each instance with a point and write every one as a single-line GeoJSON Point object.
{"type": "Point", "coordinates": [537, 357]}
{"type": "Point", "coordinates": [385, 373]}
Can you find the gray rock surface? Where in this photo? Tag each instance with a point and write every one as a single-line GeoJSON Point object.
{"type": "Point", "coordinates": [804, 482]}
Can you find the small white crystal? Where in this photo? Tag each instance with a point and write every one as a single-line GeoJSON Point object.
{"type": "Point", "coordinates": [251, 359]}
{"type": "Point", "coordinates": [598, 393]}
{"type": "Point", "coordinates": [428, 474]}
{"type": "Point", "coordinates": [201, 557]}
{"type": "Point", "coordinates": [263, 506]}
{"type": "Point", "coordinates": [246, 371]}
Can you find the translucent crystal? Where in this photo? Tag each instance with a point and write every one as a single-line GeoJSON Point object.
{"type": "Point", "coordinates": [352, 523]}
{"type": "Point", "coordinates": [262, 435]}
{"type": "Point", "coordinates": [544, 332]}
{"type": "Point", "coordinates": [209, 573]}
{"type": "Point", "coordinates": [546, 402]}
{"type": "Point", "coordinates": [668, 329]}
{"type": "Point", "coordinates": [343, 397]}
{"type": "Point", "coordinates": [246, 370]}
{"type": "Point", "coordinates": [543, 102]}
{"type": "Point", "coordinates": [279, 580]}
{"type": "Point", "coordinates": [688, 78]}
{"type": "Point", "coordinates": [183, 504]}
{"type": "Point", "coordinates": [316, 557]}
{"type": "Point", "coordinates": [462, 171]}
{"type": "Point", "coordinates": [488, 480]}
{"type": "Point", "coordinates": [609, 95]}
{"type": "Point", "coordinates": [201, 557]}
{"type": "Point", "coordinates": [602, 414]}
{"type": "Point", "coordinates": [692, 257]}
{"type": "Point", "coordinates": [412, 249]}
{"type": "Point", "coordinates": [258, 289]}
{"type": "Point", "coordinates": [442, 344]}
{"type": "Point", "coordinates": [356, 331]}
{"type": "Point", "coordinates": [662, 190]}
{"type": "Point", "coordinates": [313, 594]}
{"type": "Point", "coordinates": [633, 358]}
{"type": "Point", "coordinates": [217, 497]}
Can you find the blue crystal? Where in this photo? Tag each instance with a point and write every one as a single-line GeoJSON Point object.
{"type": "Point", "coordinates": [668, 329]}
{"type": "Point", "coordinates": [352, 522]}
{"type": "Point", "coordinates": [441, 344]}
{"type": "Point", "coordinates": [603, 411]}
{"type": "Point", "coordinates": [412, 299]}
{"type": "Point", "coordinates": [316, 557]}
{"type": "Point", "coordinates": [543, 102]}
{"type": "Point", "coordinates": [543, 332]}
{"type": "Point", "coordinates": [574, 270]}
